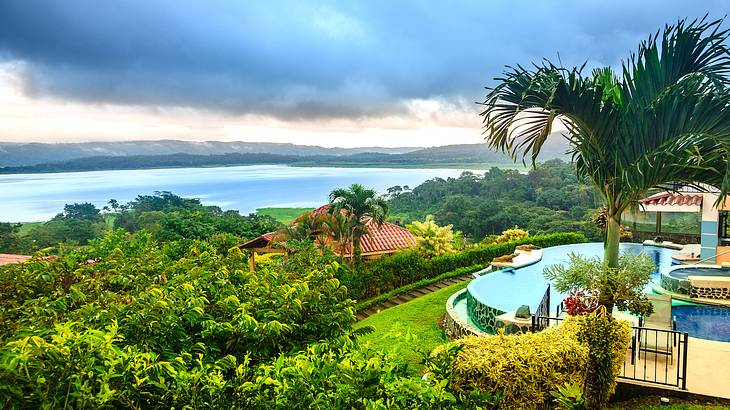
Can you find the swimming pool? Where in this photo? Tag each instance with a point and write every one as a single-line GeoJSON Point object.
{"type": "Point", "coordinates": [508, 289]}
{"type": "Point", "coordinates": [684, 273]}
{"type": "Point", "coordinates": [704, 321]}
{"type": "Point", "coordinates": [505, 290]}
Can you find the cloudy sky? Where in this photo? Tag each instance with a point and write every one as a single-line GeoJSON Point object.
{"type": "Point", "coordinates": [348, 73]}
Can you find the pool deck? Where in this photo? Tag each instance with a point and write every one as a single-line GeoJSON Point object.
{"type": "Point", "coordinates": [708, 367]}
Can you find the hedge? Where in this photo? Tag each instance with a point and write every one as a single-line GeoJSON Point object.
{"type": "Point", "coordinates": [526, 367]}
{"type": "Point", "coordinates": [415, 285]}
{"type": "Point", "coordinates": [403, 268]}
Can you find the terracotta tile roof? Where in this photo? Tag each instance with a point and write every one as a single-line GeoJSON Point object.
{"type": "Point", "coordinates": [387, 238]}
{"type": "Point", "coordinates": [6, 258]}
{"type": "Point", "coordinates": [670, 199]}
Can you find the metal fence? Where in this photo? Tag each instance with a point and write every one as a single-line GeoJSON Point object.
{"type": "Point", "coordinates": [654, 356]}
{"type": "Point", "coordinates": [543, 309]}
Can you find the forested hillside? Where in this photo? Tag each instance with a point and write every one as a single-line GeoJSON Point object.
{"type": "Point", "coordinates": [547, 199]}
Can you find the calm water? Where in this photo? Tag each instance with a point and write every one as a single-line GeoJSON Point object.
{"type": "Point", "coordinates": [508, 290]}
{"type": "Point", "coordinates": [37, 197]}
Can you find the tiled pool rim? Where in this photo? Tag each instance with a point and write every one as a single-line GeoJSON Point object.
{"type": "Point", "coordinates": [454, 326]}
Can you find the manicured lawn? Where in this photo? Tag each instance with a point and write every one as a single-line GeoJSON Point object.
{"type": "Point", "coordinates": [410, 328]}
{"type": "Point", "coordinates": [283, 215]}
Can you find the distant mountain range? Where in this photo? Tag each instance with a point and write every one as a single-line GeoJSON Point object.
{"type": "Point", "coordinates": [92, 156]}
{"type": "Point", "coordinates": [14, 154]}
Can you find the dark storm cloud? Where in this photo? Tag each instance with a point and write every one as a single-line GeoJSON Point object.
{"type": "Point", "coordinates": [319, 59]}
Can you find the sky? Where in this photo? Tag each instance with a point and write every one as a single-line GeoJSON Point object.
{"type": "Point", "coordinates": [347, 73]}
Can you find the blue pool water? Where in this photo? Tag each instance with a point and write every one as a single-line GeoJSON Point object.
{"type": "Point", "coordinates": [704, 321]}
{"type": "Point", "coordinates": [683, 273]}
{"type": "Point", "coordinates": [509, 289]}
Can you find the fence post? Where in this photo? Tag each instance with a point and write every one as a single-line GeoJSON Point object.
{"type": "Point", "coordinates": [684, 362]}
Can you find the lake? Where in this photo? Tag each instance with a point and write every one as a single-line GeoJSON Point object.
{"type": "Point", "coordinates": [38, 197]}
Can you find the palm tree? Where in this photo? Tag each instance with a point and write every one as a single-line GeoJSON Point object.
{"type": "Point", "coordinates": [665, 118]}
{"type": "Point", "coordinates": [360, 204]}
{"type": "Point", "coordinates": [308, 226]}
{"type": "Point", "coordinates": [339, 228]}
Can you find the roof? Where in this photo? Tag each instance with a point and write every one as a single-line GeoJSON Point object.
{"type": "Point", "coordinates": [6, 258]}
{"type": "Point", "coordinates": [672, 202]}
{"type": "Point", "coordinates": [672, 199]}
{"type": "Point", "coordinates": [260, 242]}
{"type": "Point", "coordinates": [387, 238]}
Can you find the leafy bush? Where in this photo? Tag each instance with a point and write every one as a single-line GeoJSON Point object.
{"type": "Point", "coordinates": [122, 324]}
{"type": "Point", "coordinates": [334, 379]}
{"type": "Point", "coordinates": [525, 367]}
{"type": "Point", "coordinates": [409, 266]}
{"type": "Point", "coordinates": [510, 235]}
{"type": "Point", "coordinates": [569, 396]}
{"type": "Point", "coordinates": [431, 239]}
{"type": "Point", "coordinates": [607, 339]}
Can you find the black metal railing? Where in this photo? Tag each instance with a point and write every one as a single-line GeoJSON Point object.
{"type": "Point", "coordinates": [655, 356]}
{"type": "Point", "coordinates": [543, 308]}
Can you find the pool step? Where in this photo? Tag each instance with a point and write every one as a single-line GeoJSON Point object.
{"type": "Point", "coordinates": [410, 295]}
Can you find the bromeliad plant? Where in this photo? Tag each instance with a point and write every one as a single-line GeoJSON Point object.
{"type": "Point", "coordinates": [665, 117]}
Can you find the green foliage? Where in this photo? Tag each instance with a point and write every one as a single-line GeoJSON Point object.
{"type": "Point", "coordinates": [415, 285]}
{"type": "Point", "coordinates": [178, 326]}
{"type": "Point", "coordinates": [547, 199]}
{"type": "Point", "coordinates": [607, 341]}
{"type": "Point", "coordinates": [622, 287]}
{"type": "Point", "coordinates": [513, 234]}
{"type": "Point", "coordinates": [668, 105]}
{"type": "Point", "coordinates": [360, 204]}
{"type": "Point", "coordinates": [431, 239]}
{"type": "Point", "coordinates": [331, 379]}
{"type": "Point", "coordinates": [525, 367]}
{"type": "Point", "coordinates": [569, 396]}
{"type": "Point", "coordinates": [11, 241]}
{"type": "Point", "coordinates": [409, 266]}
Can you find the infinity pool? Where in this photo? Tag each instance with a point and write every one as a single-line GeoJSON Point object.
{"type": "Point", "coordinates": [508, 289]}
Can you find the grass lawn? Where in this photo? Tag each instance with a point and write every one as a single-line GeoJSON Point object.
{"type": "Point", "coordinates": [283, 215]}
{"type": "Point", "coordinates": [410, 328]}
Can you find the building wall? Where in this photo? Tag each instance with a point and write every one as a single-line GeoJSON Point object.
{"type": "Point", "coordinates": [708, 240]}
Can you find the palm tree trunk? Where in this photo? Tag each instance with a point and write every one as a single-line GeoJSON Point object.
{"type": "Point", "coordinates": [613, 238]}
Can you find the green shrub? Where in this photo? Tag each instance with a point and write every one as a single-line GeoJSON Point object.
{"type": "Point", "coordinates": [324, 378]}
{"type": "Point", "coordinates": [136, 328]}
{"type": "Point", "coordinates": [415, 285]}
{"type": "Point", "coordinates": [409, 266]}
{"type": "Point", "coordinates": [525, 367]}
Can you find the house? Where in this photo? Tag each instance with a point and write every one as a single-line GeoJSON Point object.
{"type": "Point", "coordinates": [380, 240]}
{"type": "Point", "coordinates": [714, 226]}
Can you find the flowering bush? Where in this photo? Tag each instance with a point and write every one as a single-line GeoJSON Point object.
{"type": "Point", "coordinates": [580, 302]}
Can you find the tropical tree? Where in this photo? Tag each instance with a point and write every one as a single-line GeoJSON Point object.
{"type": "Point", "coordinates": [431, 239]}
{"type": "Point", "coordinates": [309, 226]}
{"type": "Point", "coordinates": [361, 205]}
{"type": "Point", "coordinates": [664, 118]}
